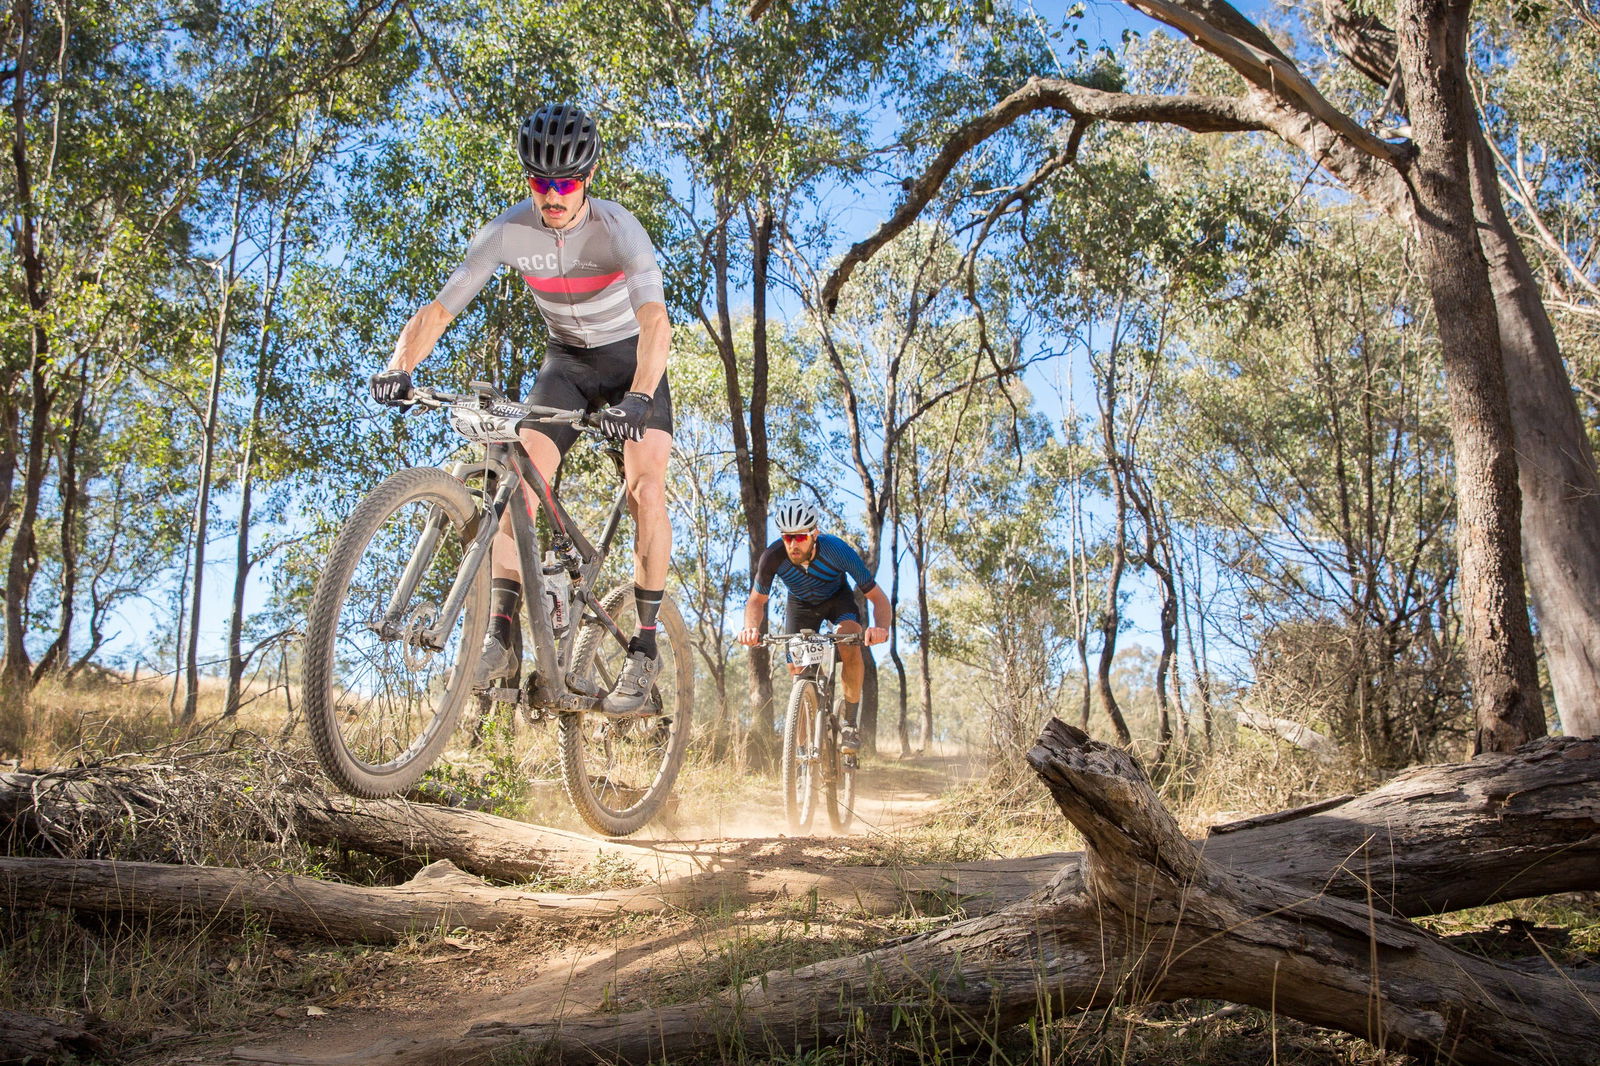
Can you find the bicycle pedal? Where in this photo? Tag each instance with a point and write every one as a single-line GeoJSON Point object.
{"type": "Point", "coordinates": [850, 763]}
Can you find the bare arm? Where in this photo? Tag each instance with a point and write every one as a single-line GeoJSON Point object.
{"type": "Point", "coordinates": [882, 615]}
{"type": "Point", "coordinates": [416, 341]}
{"type": "Point", "coordinates": [755, 612]}
{"type": "Point", "coordinates": [655, 342]}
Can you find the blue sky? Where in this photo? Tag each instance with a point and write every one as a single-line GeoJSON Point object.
{"type": "Point", "coordinates": [857, 211]}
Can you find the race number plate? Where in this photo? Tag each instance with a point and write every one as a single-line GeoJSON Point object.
{"type": "Point", "coordinates": [806, 652]}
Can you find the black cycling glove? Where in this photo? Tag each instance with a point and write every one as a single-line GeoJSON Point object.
{"type": "Point", "coordinates": [391, 388]}
{"type": "Point", "coordinates": [625, 421]}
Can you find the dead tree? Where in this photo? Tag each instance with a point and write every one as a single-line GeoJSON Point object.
{"type": "Point", "coordinates": [1143, 917]}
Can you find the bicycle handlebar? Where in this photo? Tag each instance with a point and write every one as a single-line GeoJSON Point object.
{"type": "Point", "coordinates": [486, 397]}
{"type": "Point", "coordinates": [811, 634]}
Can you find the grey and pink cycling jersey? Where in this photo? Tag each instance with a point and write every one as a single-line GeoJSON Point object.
{"type": "Point", "coordinates": [589, 279]}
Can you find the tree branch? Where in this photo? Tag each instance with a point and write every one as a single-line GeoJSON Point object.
{"type": "Point", "coordinates": [1202, 114]}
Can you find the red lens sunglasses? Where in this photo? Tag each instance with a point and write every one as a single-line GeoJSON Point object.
{"type": "Point", "coordinates": [797, 538]}
{"type": "Point", "coordinates": [559, 186]}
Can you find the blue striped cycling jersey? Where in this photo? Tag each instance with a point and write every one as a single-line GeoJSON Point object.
{"type": "Point", "coordinates": [823, 578]}
{"type": "Point", "coordinates": [588, 279]}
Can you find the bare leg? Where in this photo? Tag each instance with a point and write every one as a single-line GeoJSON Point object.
{"type": "Point", "coordinates": [851, 662]}
{"type": "Point", "coordinates": [644, 468]}
{"type": "Point", "coordinates": [644, 465]}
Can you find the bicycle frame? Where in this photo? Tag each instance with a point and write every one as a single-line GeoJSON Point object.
{"type": "Point", "coordinates": [552, 689]}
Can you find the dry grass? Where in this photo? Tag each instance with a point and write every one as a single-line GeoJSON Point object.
{"type": "Point", "coordinates": [150, 986]}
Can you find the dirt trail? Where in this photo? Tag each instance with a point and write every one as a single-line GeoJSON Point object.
{"type": "Point", "coordinates": [538, 973]}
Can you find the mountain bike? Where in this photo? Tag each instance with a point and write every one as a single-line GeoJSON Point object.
{"type": "Point", "coordinates": [399, 614]}
{"type": "Point", "coordinates": [812, 763]}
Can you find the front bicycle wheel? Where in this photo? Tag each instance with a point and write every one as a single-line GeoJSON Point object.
{"type": "Point", "coordinates": [800, 725]}
{"type": "Point", "coordinates": [384, 686]}
{"type": "Point", "coordinates": [619, 770]}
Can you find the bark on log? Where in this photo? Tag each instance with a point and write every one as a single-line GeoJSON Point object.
{"type": "Point", "coordinates": [1435, 838]}
{"type": "Point", "coordinates": [479, 843]}
{"type": "Point", "coordinates": [32, 806]}
{"type": "Point", "coordinates": [1149, 918]}
{"type": "Point", "coordinates": [25, 1038]}
{"type": "Point", "coordinates": [438, 896]}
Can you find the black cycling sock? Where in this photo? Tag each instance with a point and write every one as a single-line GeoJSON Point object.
{"type": "Point", "coordinates": [505, 594]}
{"type": "Point", "coordinates": [848, 712]}
{"type": "Point", "coordinates": [648, 603]}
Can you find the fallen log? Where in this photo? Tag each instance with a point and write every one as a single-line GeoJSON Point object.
{"type": "Point", "coordinates": [25, 1038]}
{"type": "Point", "coordinates": [1148, 918]}
{"type": "Point", "coordinates": [439, 896]}
{"type": "Point", "coordinates": [1434, 838]}
{"type": "Point", "coordinates": [1441, 838]}
{"type": "Point", "coordinates": [86, 809]}
{"type": "Point", "coordinates": [477, 842]}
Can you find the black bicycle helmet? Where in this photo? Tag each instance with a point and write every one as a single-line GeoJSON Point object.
{"type": "Point", "coordinates": [558, 141]}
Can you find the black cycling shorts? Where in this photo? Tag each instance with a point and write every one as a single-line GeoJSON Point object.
{"type": "Point", "coordinates": [840, 607]}
{"type": "Point", "coordinates": [588, 379]}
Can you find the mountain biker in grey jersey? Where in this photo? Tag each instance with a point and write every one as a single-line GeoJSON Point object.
{"type": "Point", "coordinates": [595, 280]}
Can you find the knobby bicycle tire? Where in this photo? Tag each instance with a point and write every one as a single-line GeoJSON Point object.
{"type": "Point", "coordinates": [800, 724]}
{"type": "Point", "coordinates": [381, 709]}
{"type": "Point", "coordinates": [603, 758]}
{"type": "Point", "coordinates": [842, 805]}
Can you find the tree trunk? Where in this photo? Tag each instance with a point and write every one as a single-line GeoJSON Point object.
{"type": "Point", "coordinates": [242, 563]}
{"type": "Point", "coordinates": [894, 631]}
{"type": "Point", "coordinates": [208, 446]}
{"type": "Point", "coordinates": [1555, 463]}
{"type": "Point", "coordinates": [1500, 656]}
{"type": "Point", "coordinates": [749, 449]}
{"type": "Point", "coordinates": [1555, 469]}
{"type": "Point", "coordinates": [15, 670]}
{"type": "Point", "coordinates": [1143, 917]}
{"type": "Point", "coordinates": [74, 501]}
{"type": "Point", "coordinates": [1110, 618]}
{"type": "Point", "coordinates": [919, 562]}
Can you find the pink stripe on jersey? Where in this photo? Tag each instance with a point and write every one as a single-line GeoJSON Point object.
{"type": "Point", "coordinates": [569, 285]}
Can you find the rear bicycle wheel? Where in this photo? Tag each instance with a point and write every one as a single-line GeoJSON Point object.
{"type": "Point", "coordinates": [799, 756]}
{"type": "Point", "coordinates": [619, 770]}
{"type": "Point", "coordinates": [383, 690]}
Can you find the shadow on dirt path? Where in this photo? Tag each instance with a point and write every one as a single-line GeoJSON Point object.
{"type": "Point", "coordinates": [536, 973]}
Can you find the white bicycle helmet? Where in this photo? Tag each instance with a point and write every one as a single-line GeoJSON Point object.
{"type": "Point", "coordinates": [794, 516]}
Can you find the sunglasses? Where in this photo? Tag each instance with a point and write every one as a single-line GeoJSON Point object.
{"type": "Point", "coordinates": [559, 186]}
{"type": "Point", "coordinates": [798, 538]}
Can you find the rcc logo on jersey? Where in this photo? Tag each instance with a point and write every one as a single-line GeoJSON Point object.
{"type": "Point", "coordinates": [547, 261]}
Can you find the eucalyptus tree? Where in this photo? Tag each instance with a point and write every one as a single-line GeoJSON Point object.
{"type": "Point", "coordinates": [1313, 423]}
{"type": "Point", "coordinates": [1438, 181]}
{"type": "Point", "coordinates": [159, 100]}
{"type": "Point", "coordinates": [89, 233]}
{"type": "Point", "coordinates": [905, 343]}
{"type": "Point", "coordinates": [998, 591]}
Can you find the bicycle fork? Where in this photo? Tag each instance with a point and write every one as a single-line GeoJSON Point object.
{"type": "Point", "coordinates": [391, 627]}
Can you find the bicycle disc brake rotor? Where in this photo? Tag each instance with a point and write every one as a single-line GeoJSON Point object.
{"type": "Point", "coordinates": [422, 618]}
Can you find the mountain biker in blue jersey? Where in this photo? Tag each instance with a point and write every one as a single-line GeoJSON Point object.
{"type": "Point", "coordinates": [814, 566]}
{"type": "Point", "coordinates": [594, 278]}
